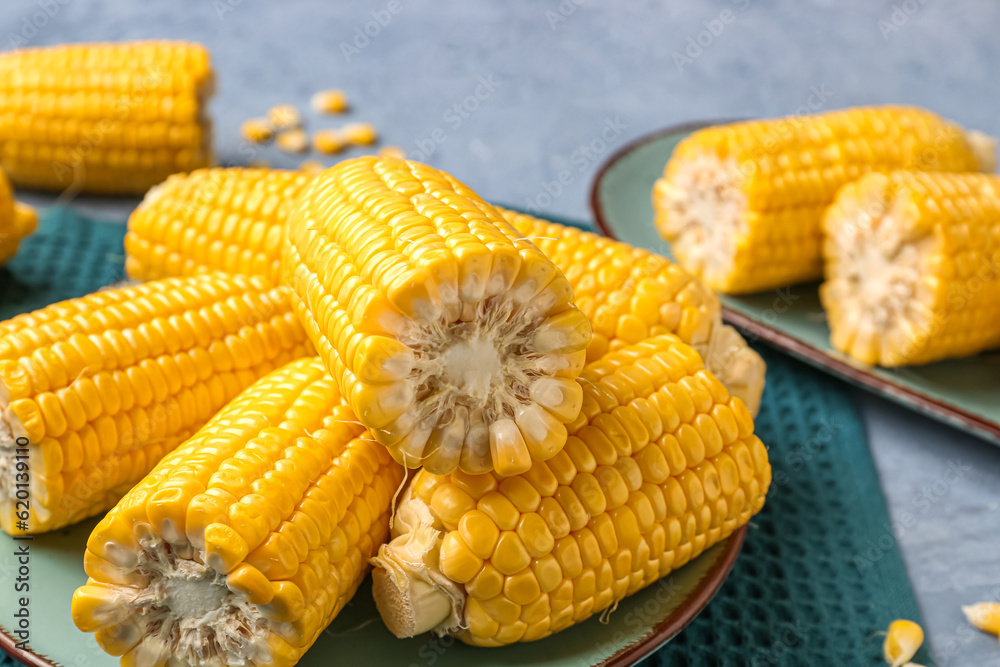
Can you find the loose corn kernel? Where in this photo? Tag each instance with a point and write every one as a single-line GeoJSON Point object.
{"type": "Point", "coordinates": [329, 142]}
{"type": "Point", "coordinates": [256, 130]}
{"type": "Point", "coordinates": [293, 140]}
{"type": "Point", "coordinates": [392, 151]}
{"type": "Point", "coordinates": [283, 117]}
{"type": "Point", "coordinates": [902, 641]}
{"type": "Point", "coordinates": [361, 134]}
{"type": "Point", "coordinates": [329, 101]}
{"type": "Point", "coordinates": [311, 166]}
{"type": "Point", "coordinates": [984, 616]}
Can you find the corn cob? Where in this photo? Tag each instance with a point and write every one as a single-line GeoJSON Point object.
{"type": "Point", "coordinates": [661, 465]}
{"type": "Point", "coordinates": [212, 219]}
{"type": "Point", "coordinates": [630, 294]}
{"type": "Point", "coordinates": [742, 203]}
{"type": "Point", "coordinates": [248, 539]}
{"type": "Point", "coordinates": [454, 339]}
{"type": "Point", "coordinates": [182, 228]}
{"type": "Point", "coordinates": [104, 385]}
{"type": "Point", "coordinates": [17, 220]}
{"type": "Point", "coordinates": [913, 267]}
{"type": "Point", "coordinates": [104, 118]}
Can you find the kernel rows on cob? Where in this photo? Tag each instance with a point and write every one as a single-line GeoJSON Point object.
{"type": "Point", "coordinates": [104, 385]}
{"type": "Point", "coordinates": [104, 118]}
{"type": "Point", "coordinates": [244, 543]}
{"type": "Point", "coordinates": [453, 338]}
{"type": "Point", "coordinates": [660, 465]}
{"type": "Point", "coordinates": [742, 203]}
{"type": "Point", "coordinates": [913, 267]}
{"type": "Point", "coordinates": [207, 220]}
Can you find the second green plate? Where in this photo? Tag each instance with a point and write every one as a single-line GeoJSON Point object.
{"type": "Point", "coordinates": [961, 392]}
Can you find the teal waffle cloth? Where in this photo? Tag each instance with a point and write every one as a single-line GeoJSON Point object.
{"type": "Point", "coordinates": [796, 596]}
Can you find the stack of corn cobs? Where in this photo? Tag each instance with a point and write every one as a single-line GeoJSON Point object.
{"type": "Point", "coordinates": [517, 423]}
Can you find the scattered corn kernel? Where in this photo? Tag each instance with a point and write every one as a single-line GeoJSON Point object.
{"type": "Point", "coordinates": [329, 101]}
{"type": "Point", "coordinates": [312, 166]}
{"type": "Point", "coordinates": [256, 130]}
{"type": "Point", "coordinates": [392, 151]}
{"type": "Point", "coordinates": [283, 117]}
{"type": "Point", "coordinates": [984, 616]}
{"type": "Point", "coordinates": [292, 141]}
{"type": "Point", "coordinates": [362, 134]}
{"type": "Point", "coordinates": [902, 641]}
{"type": "Point", "coordinates": [329, 142]}
{"type": "Point", "coordinates": [258, 164]}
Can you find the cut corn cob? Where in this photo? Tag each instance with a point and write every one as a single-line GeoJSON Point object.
{"type": "Point", "coordinates": [104, 385]}
{"type": "Point", "coordinates": [17, 221]}
{"type": "Point", "coordinates": [902, 641]}
{"type": "Point", "coordinates": [212, 219]}
{"type": "Point", "coordinates": [630, 294]}
{"type": "Point", "coordinates": [453, 338]}
{"type": "Point", "coordinates": [105, 118]}
{"type": "Point", "coordinates": [248, 539]}
{"type": "Point", "coordinates": [661, 465]}
{"type": "Point", "coordinates": [742, 203]}
{"type": "Point", "coordinates": [913, 267]}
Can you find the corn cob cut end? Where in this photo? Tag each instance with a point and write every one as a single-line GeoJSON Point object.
{"type": "Point", "coordinates": [737, 365]}
{"type": "Point", "coordinates": [702, 210]}
{"type": "Point", "coordinates": [876, 250]}
{"type": "Point", "coordinates": [243, 544]}
{"type": "Point", "coordinates": [461, 344]}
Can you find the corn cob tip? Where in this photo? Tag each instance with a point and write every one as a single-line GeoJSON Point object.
{"type": "Point", "coordinates": [984, 147]}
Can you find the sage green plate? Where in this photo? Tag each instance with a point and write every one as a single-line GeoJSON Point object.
{"type": "Point", "coordinates": [641, 624]}
{"type": "Point", "coordinates": [961, 392]}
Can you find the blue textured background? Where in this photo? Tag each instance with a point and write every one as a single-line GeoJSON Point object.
{"type": "Point", "coordinates": [560, 82]}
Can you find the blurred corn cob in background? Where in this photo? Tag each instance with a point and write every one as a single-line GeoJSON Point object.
{"type": "Point", "coordinates": [17, 220]}
{"type": "Point", "coordinates": [913, 267]}
{"type": "Point", "coordinates": [102, 117]}
{"type": "Point", "coordinates": [248, 539]}
{"type": "Point", "coordinates": [104, 385]}
{"type": "Point", "coordinates": [661, 465]}
{"type": "Point", "coordinates": [454, 339]}
{"type": "Point", "coordinates": [630, 294]}
{"type": "Point", "coordinates": [742, 203]}
{"type": "Point", "coordinates": [213, 219]}
{"type": "Point", "coordinates": [209, 220]}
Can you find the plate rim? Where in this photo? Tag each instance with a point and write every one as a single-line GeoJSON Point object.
{"type": "Point", "coordinates": [854, 373]}
{"type": "Point", "coordinates": [706, 589]}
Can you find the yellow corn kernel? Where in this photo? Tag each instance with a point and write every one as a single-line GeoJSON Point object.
{"type": "Point", "coordinates": [984, 616]}
{"type": "Point", "coordinates": [910, 259]}
{"type": "Point", "coordinates": [189, 224]}
{"type": "Point", "coordinates": [300, 454]}
{"type": "Point", "coordinates": [311, 167]}
{"type": "Point", "coordinates": [361, 134]}
{"type": "Point", "coordinates": [329, 101]}
{"type": "Point", "coordinates": [329, 142]}
{"type": "Point", "coordinates": [283, 117]}
{"type": "Point", "coordinates": [742, 204]}
{"type": "Point", "coordinates": [103, 386]}
{"type": "Point", "coordinates": [293, 140]}
{"type": "Point", "coordinates": [573, 536]}
{"type": "Point", "coordinates": [256, 130]}
{"type": "Point", "coordinates": [435, 315]}
{"type": "Point", "coordinates": [118, 118]}
{"type": "Point", "coordinates": [902, 641]}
